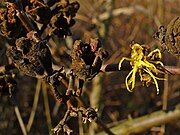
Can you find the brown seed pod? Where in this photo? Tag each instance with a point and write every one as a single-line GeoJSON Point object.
{"type": "Point", "coordinates": [60, 26]}
{"type": "Point", "coordinates": [39, 12]}
{"type": "Point", "coordinates": [87, 58]}
{"type": "Point", "coordinates": [7, 84]}
{"type": "Point", "coordinates": [62, 19]}
{"type": "Point", "coordinates": [30, 57]}
{"type": "Point", "coordinates": [10, 25]}
{"type": "Point", "coordinates": [170, 37]}
{"type": "Point", "coordinates": [90, 114]}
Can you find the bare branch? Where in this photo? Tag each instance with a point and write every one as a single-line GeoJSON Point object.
{"type": "Point", "coordinates": [21, 123]}
{"type": "Point", "coordinates": [18, 115]}
{"type": "Point", "coordinates": [143, 123]}
{"type": "Point", "coordinates": [126, 67]}
{"type": "Point", "coordinates": [35, 103]}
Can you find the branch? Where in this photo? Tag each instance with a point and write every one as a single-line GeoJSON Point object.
{"type": "Point", "coordinates": [18, 115]}
{"type": "Point", "coordinates": [105, 129]}
{"type": "Point", "coordinates": [173, 70]}
{"type": "Point", "coordinates": [143, 123]}
{"type": "Point", "coordinates": [34, 107]}
{"type": "Point", "coordinates": [126, 67]}
{"type": "Point", "coordinates": [21, 123]}
{"type": "Point", "coordinates": [46, 106]}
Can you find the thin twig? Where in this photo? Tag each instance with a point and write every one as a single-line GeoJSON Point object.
{"type": "Point", "coordinates": [174, 70]}
{"type": "Point", "coordinates": [165, 100]}
{"type": "Point", "coordinates": [56, 109]}
{"type": "Point", "coordinates": [160, 10]}
{"type": "Point", "coordinates": [95, 99]}
{"type": "Point", "coordinates": [27, 23]}
{"type": "Point", "coordinates": [126, 67]}
{"type": "Point", "coordinates": [18, 115]}
{"type": "Point", "coordinates": [35, 103]}
{"type": "Point", "coordinates": [21, 123]}
{"type": "Point", "coordinates": [81, 130]}
{"type": "Point", "coordinates": [62, 122]}
{"type": "Point", "coordinates": [46, 105]}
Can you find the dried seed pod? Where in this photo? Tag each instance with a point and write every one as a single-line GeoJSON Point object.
{"type": "Point", "coordinates": [60, 26]}
{"type": "Point", "coordinates": [63, 18]}
{"type": "Point", "coordinates": [170, 37]}
{"type": "Point", "coordinates": [87, 58]}
{"type": "Point", "coordinates": [90, 114]}
{"type": "Point", "coordinates": [62, 3]}
{"type": "Point", "coordinates": [30, 57]}
{"type": "Point", "coordinates": [82, 58]}
{"type": "Point", "coordinates": [72, 9]}
{"type": "Point", "coordinates": [10, 25]}
{"type": "Point", "coordinates": [7, 84]}
{"type": "Point", "coordinates": [39, 11]}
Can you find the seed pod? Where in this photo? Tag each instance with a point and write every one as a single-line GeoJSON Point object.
{"type": "Point", "coordinates": [31, 58]}
{"type": "Point", "coordinates": [10, 25]}
{"type": "Point", "coordinates": [170, 37]}
{"type": "Point", "coordinates": [62, 19]}
{"type": "Point", "coordinates": [39, 12]}
{"type": "Point", "coordinates": [60, 26]}
{"type": "Point", "coordinates": [90, 115]}
{"type": "Point", "coordinates": [87, 58]}
{"type": "Point", "coordinates": [7, 84]}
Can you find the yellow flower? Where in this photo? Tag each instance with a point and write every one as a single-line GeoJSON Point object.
{"type": "Point", "coordinates": [144, 64]}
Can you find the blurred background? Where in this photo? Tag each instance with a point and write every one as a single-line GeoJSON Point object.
{"type": "Point", "coordinates": [117, 23]}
